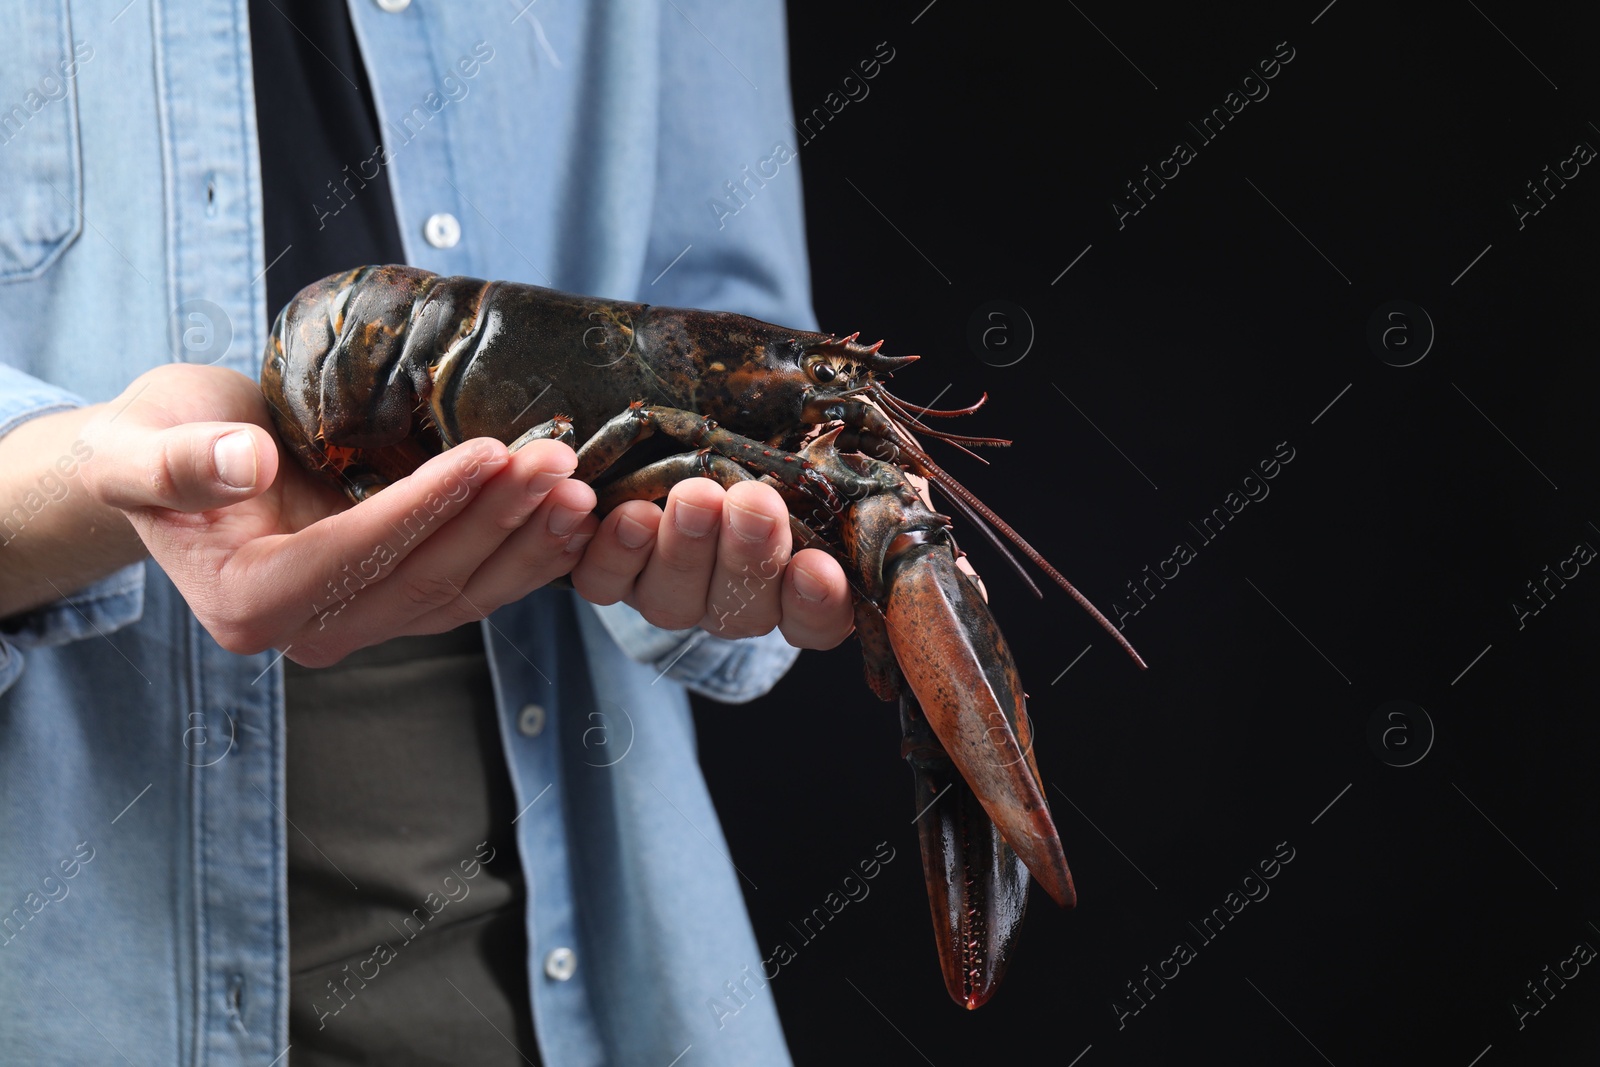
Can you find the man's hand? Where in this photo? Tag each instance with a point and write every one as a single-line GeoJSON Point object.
{"type": "Point", "coordinates": [719, 560]}
{"type": "Point", "coordinates": [268, 556]}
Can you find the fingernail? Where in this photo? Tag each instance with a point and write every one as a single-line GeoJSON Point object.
{"type": "Point", "coordinates": [693, 521]}
{"type": "Point", "coordinates": [541, 484]}
{"type": "Point", "coordinates": [808, 586]}
{"type": "Point", "coordinates": [563, 520]}
{"type": "Point", "coordinates": [235, 457]}
{"type": "Point", "coordinates": [578, 541]}
{"type": "Point", "coordinates": [750, 525]}
{"type": "Point", "coordinates": [633, 533]}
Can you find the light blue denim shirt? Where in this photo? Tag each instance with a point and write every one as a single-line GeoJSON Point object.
{"type": "Point", "coordinates": [609, 148]}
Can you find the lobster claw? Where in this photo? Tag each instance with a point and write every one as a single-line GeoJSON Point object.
{"type": "Point", "coordinates": [954, 659]}
{"type": "Point", "coordinates": [977, 886]}
{"type": "Point", "coordinates": [982, 821]}
{"type": "Point", "coordinates": [927, 637]}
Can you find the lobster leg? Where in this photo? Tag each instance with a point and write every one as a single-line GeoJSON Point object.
{"type": "Point", "coordinates": [556, 429]}
{"type": "Point", "coordinates": [655, 480]}
{"type": "Point", "coordinates": [640, 421]}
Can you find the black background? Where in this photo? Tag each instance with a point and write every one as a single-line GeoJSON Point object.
{"type": "Point", "coordinates": [1381, 567]}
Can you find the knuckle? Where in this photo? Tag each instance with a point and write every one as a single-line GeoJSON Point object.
{"type": "Point", "coordinates": [804, 631]}
{"type": "Point", "coordinates": [511, 521]}
{"type": "Point", "coordinates": [317, 656]}
{"type": "Point", "coordinates": [805, 637]}
{"type": "Point", "coordinates": [459, 612]}
{"type": "Point", "coordinates": [161, 471]}
{"type": "Point", "coordinates": [559, 565]}
{"type": "Point", "coordinates": [732, 617]}
{"type": "Point", "coordinates": [756, 562]}
{"type": "Point", "coordinates": [429, 590]}
{"type": "Point", "coordinates": [602, 575]}
{"type": "Point", "coordinates": [534, 569]}
{"type": "Point", "coordinates": [596, 589]}
{"type": "Point", "coordinates": [538, 550]}
{"type": "Point", "coordinates": [670, 616]}
{"type": "Point", "coordinates": [741, 625]}
{"type": "Point", "coordinates": [674, 560]}
{"type": "Point", "coordinates": [239, 642]}
{"type": "Point", "coordinates": [239, 635]}
{"type": "Point", "coordinates": [93, 437]}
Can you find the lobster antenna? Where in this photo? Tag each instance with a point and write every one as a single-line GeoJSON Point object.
{"type": "Point", "coordinates": [970, 503]}
{"type": "Point", "coordinates": [903, 413]}
{"type": "Point", "coordinates": [988, 531]}
{"type": "Point", "coordinates": [877, 363]}
{"type": "Point", "coordinates": [898, 414]}
{"type": "Point", "coordinates": [938, 413]}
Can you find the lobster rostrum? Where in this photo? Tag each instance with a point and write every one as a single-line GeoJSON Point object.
{"type": "Point", "coordinates": [370, 372]}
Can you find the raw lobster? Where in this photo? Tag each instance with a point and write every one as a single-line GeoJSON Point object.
{"type": "Point", "coordinates": [370, 372]}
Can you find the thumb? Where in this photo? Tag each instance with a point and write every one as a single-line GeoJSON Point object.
{"type": "Point", "coordinates": [191, 467]}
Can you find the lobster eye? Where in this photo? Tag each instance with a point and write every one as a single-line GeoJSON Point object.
{"type": "Point", "coordinates": [822, 371]}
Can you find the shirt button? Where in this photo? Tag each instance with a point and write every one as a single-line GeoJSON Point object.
{"type": "Point", "coordinates": [442, 230]}
{"type": "Point", "coordinates": [561, 963]}
{"type": "Point", "coordinates": [392, 6]}
{"type": "Point", "coordinates": [531, 722]}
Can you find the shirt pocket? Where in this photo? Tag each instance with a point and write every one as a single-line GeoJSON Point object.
{"type": "Point", "coordinates": [41, 168]}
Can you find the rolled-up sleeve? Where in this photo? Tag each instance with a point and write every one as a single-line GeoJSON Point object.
{"type": "Point", "coordinates": [94, 610]}
{"type": "Point", "coordinates": [24, 397]}
{"type": "Point", "coordinates": [732, 671]}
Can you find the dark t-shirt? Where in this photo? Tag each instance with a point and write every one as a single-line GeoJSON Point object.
{"type": "Point", "coordinates": [317, 126]}
{"type": "Point", "coordinates": [406, 898]}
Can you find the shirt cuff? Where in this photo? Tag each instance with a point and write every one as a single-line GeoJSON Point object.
{"type": "Point", "coordinates": [95, 610]}
{"type": "Point", "coordinates": [732, 671]}
{"type": "Point", "coordinates": [24, 397]}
